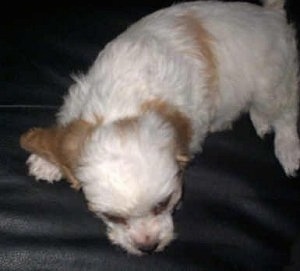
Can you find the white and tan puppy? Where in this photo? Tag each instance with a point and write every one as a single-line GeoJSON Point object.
{"type": "Point", "coordinates": [144, 108]}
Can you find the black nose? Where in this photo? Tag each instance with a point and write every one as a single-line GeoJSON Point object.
{"type": "Point", "coordinates": [148, 248]}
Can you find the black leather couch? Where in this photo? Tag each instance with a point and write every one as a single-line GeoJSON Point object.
{"type": "Point", "coordinates": [240, 212]}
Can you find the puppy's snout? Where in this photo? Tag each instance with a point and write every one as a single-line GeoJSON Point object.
{"type": "Point", "coordinates": [148, 248]}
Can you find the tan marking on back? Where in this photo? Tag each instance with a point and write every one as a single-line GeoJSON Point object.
{"type": "Point", "coordinates": [204, 51]}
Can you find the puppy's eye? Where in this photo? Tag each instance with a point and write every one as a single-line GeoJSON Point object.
{"type": "Point", "coordinates": [115, 218]}
{"type": "Point", "coordinates": [162, 206]}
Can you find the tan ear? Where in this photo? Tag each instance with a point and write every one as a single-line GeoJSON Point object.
{"type": "Point", "coordinates": [72, 140]}
{"type": "Point", "coordinates": [181, 124]}
{"type": "Point", "coordinates": [60, 145]}
{"type": "Point", "coordinates": [42, 142]}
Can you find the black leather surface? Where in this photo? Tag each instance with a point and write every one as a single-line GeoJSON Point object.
{"type": "Point", "coordinates": [239, 212]}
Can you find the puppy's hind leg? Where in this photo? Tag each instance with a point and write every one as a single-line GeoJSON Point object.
{"type": "Point", "coordinates": [277, 110]}
{"type": "Point", "coordinates": [287, 145]}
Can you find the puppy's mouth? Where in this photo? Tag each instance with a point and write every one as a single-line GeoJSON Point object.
{"type": "Point", "coordinates": [140, 249]}
{"type": "Point", "coordinates": [147, 245]}
{"type": "Point", "coordinates": [151, 248]}
{"type": "Point", "coordinates": [147, 249]}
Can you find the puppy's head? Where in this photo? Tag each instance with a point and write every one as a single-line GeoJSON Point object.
{"type": "Point", "coordinates": [129, 171]}
{"type": "Point", "coordinates": [130, 177]}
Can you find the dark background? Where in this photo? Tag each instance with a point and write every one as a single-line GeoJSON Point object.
{"type": "Point", "coordinates": [240, 212]}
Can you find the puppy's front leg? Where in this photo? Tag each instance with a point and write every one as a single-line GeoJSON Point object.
{"type": "Point", "coordinates": [41, 169]}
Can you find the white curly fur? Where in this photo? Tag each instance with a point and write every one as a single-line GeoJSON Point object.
{"type": "Point", "coordinates": [257, 72]}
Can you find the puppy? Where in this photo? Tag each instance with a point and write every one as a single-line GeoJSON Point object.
{"type": "Point", "coordinates": [130, 125]}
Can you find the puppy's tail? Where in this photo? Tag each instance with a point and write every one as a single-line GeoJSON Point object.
{"type": "Point", "coordinates": [273, 4]}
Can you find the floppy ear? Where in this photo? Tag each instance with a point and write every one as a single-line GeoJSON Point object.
{"type": "Point", "coordinates": [180, 123]}
{"type": "Point", "coordinates": [41, 141]}
{"type": "Point", "coordinates": [60, 145]}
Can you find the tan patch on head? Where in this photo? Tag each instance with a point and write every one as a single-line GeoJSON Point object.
{"type": "Point", "coordinates": [204, 49]}
{"type": "Point", "coordinates": [60, 145]}
{"type": "Point", "coordinates": [123, 125]}
{"type": "Point", "coordinates": [180, 123]}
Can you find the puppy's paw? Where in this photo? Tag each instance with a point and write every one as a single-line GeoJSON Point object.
{"type": "Point", "coordinates": [41, 169]}
{"type": "Point", "coordinates": [260, 123]}
{"type": "Point", "coordinates": [288, 153]}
